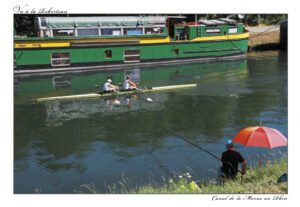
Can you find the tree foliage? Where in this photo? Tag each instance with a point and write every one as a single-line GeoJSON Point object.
{"type": "Point", "coordinates": [24, 25]}
{"type": "Point", "coordinates": [266, 19]}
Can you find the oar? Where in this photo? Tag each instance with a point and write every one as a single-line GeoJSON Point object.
{"type": "Point", "coordinates": [143, 93]}
{"type": "Point", "coordinates": [148, 99]}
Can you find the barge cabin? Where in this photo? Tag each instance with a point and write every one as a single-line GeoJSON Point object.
{"type": "Point", "coordinates": [64, 44]}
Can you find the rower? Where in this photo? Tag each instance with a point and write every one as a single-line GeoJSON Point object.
{"type": "Point", "coordinates": [109, 87]}
{"type": "Point", "coordinates": [129, 84]}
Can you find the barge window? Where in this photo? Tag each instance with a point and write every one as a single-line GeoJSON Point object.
{"type": "Point", "coordinates": [233, 30]}
{"type": "Point", "coordinates": [180, 34]}
{"type": "Point", "coordinates": [154, 30]}
{"type": "Point", "coordinates": [176, 51]}
{"type": "Point", "coordinates": [63, 32]}
{"type": "Point", "coordinates": [131, 55]}
{"type": "Point", "coordinates": [213, 31]}
{"type": "Point", "coordinates": [60, 59]}
{"type": "Point", "coordinates": [116, 32]}
{"type": "Point", "coordinates": [108, 54]}
{"type": "Point", "coordinates": [110, 31]}
{"type": "Point", "coordinates": [43, 22]}
{"type": "Point", "coordinates": [45, 33]}
{"type": "Point", "coordinates": [133, 31]}
{"type": "Point", "coordinates": [87, 32]}
{"type": "Point", "coordinates": [132, 52]}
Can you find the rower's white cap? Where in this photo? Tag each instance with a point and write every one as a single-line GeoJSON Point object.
{"type": "Point", "coordinates": [109, 80]}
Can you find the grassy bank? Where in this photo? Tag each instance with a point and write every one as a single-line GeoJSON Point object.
{"type": "Point", "coordinates": [257, 180]}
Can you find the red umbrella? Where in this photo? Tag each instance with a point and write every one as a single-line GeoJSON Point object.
{"type": "Point", "coordinates": [259, 136]}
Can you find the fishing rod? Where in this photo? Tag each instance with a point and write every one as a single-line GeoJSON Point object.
{"type": "Point", "coordinates": [192, 143]}
{"type": "Point", "coordinates": [187, 140]}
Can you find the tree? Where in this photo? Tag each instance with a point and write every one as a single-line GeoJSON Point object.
{"type": "Point", "coordinates": [24, 24]}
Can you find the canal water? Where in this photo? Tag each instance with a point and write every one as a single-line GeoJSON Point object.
{"type": "Point", "coordinates": [61, 146]}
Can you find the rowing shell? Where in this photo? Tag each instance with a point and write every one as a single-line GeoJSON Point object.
{"type": "Point", "coordinates": [97, 95]}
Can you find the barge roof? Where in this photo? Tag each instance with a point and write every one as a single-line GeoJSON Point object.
{"type": "Point", "coordinates": [67, 22]}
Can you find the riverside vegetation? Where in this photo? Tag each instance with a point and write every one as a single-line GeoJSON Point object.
{"type": "Point", "coordinates": [260, 180]}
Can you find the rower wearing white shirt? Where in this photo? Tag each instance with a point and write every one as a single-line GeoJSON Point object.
{"type": "Point", "coordinates": [109, 87]}
{"type": "Point", "coordinates": [129, 84]}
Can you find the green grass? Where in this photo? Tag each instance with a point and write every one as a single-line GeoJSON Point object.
{"type": "Point", "coordinates": [259, 180]}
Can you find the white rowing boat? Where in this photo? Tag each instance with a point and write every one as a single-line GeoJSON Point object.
{"type": "Point", "coordinates": [99, 95]}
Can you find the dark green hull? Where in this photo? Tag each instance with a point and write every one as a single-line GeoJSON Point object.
{"type": "Point", "coordinates": [31, 61]}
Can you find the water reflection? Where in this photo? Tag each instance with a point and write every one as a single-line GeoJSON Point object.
{"type": "Point", "coordinates": [62, 81]}
{"type": "Point", "coordinates": [60, 145]}
{"type": "Point", "coordinates": [29, 88]}
{"type": "Point", "coordinates": [59, 112]}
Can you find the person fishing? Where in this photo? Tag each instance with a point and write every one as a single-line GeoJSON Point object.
{"type": "Point", "coordinates": [129, 84]}
{"type": "Point", "coordinates": [109, 87]}
{"type": "Point", "coordinates": [230, 160]}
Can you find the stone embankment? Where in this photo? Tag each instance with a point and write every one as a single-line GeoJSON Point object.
{"type": "Point", "coordinates": [269, 37]}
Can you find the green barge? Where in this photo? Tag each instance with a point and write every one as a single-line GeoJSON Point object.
{"type": "Point", "coordinates": [78, 44]}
